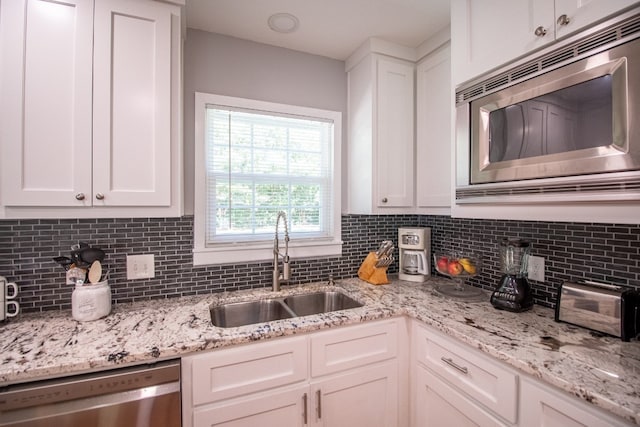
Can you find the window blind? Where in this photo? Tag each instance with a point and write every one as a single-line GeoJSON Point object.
{"type": "Point", "coordinates": [258, 163]}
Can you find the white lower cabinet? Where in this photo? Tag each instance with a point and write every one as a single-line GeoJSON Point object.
{"type": "Point", "coordinates": [357, 376]}
{"type": "Point", "coordinates": [543, 406]}
{"type": "Point", "coordinates": [438, 404]}
{"type": "Point", "coordinates": [365, 397]}
{"type": "Point", "coordinates": [275, 408]}
{"type": "Point", "coordinates": [453, 384]}
{"type": "Point", "coordinates": [458, 386]}
{"type": "Point", "coordinates": [350, 378]}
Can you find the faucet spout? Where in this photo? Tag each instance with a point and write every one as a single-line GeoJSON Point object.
{"type": "Point", "coordinates": [284, 275]}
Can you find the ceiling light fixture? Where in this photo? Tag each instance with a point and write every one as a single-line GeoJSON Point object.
{"type": "Point", "coordinates": [283, 22]}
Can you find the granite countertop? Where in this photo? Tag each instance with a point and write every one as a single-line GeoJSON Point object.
{"type": "Point", "coordinates": [601, 370]}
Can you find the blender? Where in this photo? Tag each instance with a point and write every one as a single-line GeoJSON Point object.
{"type": "Point", "coordinates": [513, 293]}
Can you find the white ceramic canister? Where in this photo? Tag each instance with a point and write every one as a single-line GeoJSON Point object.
{"type": "Point", "coordinates": [91, 302]}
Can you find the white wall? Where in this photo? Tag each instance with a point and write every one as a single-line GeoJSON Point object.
{"type": "Point", "coordinates": [224, 65]}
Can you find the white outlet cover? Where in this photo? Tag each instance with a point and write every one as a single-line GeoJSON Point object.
{"type": "Point", "coordinates": [535, 270]}
{"type": "Point", "coordinates": [140, 266]}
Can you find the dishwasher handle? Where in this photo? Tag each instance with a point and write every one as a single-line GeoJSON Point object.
{"type": "Point", "coordinates": [159, 405]}
{"type": "Point", "coordinates": [88, 385]}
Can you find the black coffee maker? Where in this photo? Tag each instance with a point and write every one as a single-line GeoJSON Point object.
{"type": "Point", "coordinates": [513, 293]}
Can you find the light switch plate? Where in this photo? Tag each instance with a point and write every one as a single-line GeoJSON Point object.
{"type": "Point", "coordinates": [535, 268]}
{"type": "Point", "coordinates": [140, 267]}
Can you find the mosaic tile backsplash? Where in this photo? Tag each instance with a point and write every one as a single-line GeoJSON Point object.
{"type": "Point", "coordinates": [603, 252]}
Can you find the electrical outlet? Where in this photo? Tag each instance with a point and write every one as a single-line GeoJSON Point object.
{"type": "Point", "coordinates": [535, 268]}
{"type": "Point", "coordinates": [140, 267]}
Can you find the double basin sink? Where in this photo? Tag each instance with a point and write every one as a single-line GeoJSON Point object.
{"type": "Point", "coordinates": [231, 315]}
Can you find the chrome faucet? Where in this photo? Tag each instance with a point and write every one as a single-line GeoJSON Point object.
{"type": "Point", "coordinates": [285, 275]}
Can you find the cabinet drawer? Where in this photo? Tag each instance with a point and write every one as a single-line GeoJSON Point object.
{"type": "Point", "coordinates": [438, 404]}
{"type": "Point", "coordinates": [471, 372]}
{"type": "Point", "coordinates": [247, 369]}
{"type": "Point", "coordinates": [335, 351]}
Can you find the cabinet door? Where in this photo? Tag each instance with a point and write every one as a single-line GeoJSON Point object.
{"type": "Point", "coordinates": [542, 406]}
{"type": "Point", "coordinates": [394, 136]}
{"type": "Point", "coordinates": [433, 130]}
{"type": "Point", "coordinates": [238, 371]}
{"type": "Point", "coordinates": [489, 33]}
{"type": "Point", "coordinates": [132, 103]}
{"type": "Point", "coordinates": [581, 13]}
{"type": "Point", "coordinates": [438, 404]}
{"type": "Point", "coordinates": [281, 408]}
{"type": "Point", "coordinates": [366, 397]}
{"type": "Point", "coordinates": [45, 102]}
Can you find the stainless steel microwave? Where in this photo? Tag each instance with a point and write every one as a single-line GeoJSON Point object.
{"type": "Point", "coordinates": [561, 123]}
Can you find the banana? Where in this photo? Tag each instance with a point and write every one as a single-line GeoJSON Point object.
{"type": "Point", "coordinates": [468, 266]}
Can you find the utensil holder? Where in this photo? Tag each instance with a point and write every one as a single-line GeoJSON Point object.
{"type": "Point", "coordinates": [372, 274]}
{"type": "Point", "coordinates": [91, 302]}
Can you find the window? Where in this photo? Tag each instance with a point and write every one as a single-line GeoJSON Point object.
{"type": "Point", "coordinates": [254, 159]}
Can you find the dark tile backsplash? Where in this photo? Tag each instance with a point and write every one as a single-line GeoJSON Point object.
{"type": "Point", "coordinates": [605, 252]}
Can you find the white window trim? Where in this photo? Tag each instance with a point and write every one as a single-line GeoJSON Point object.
{"type": "Point", "coordinates": [250, 252]}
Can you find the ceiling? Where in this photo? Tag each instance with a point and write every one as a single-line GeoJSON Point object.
{"type": "Point", "coordinates": [331, 28]}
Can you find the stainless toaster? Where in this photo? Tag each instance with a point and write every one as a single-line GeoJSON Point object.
{"type": "Point", "coordinates": [610, 309]}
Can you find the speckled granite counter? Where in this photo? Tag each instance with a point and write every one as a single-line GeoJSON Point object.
{"type": "Point", "coordinates": [601, 370]}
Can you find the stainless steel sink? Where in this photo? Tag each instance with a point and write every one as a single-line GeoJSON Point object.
{"type": "Point", "coordinates": [235, 314]}
{"type": "Point", "coordinates": [246, 313]}
{"type": "Point", "coordinates": [320, 302]}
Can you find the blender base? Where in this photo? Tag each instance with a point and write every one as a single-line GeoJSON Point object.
{"type": "Point", "coordinates": [513, 294]}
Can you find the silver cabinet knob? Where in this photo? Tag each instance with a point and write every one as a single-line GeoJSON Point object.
{"type": "Point", "coordinates": [384, 200]}
{"type": "Point", "coordinates": [563, 20]}
{"type": "Point", "coordinates": [80, 196]}
{"type": "Point", "coordinates": [99, 196]}
{"type": "Point", "coordinates": [540, 31]}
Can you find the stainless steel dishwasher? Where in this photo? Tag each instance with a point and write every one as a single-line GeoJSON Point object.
{"type": "Point", "coordinates": [126, 397]}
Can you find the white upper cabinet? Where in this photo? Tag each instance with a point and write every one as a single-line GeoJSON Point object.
{"type": "Point", "coordinates": [395, 135]}
{"type": "Point", "coordinates": [490, 33]}
{"type": "Point", "coordinates": [574, 15]}
{"type": "Point", "coordinates": [45, 100]}
{"type": "Point", "coordinates": [434, 107]}
{"type": "Point", "coordinates": [132, 104]}
{"type": "Point", "coordinates": [381, 135]}
{"type": "Point", "coordinates": [90, 96]}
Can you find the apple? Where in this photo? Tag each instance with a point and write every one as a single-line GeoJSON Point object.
{"type": "Point", "coordinates": [454, 268]}
{"type": "Point", "coordinates": [442, 263]}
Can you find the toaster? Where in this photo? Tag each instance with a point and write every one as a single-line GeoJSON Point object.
{"type": "Point", "coordinates": [610, 309]}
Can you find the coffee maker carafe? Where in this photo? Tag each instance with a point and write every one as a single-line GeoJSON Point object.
{"type": "Point", "coordinates": [414, 245]}
{"type": "Point", "coordinates": [513, 293]}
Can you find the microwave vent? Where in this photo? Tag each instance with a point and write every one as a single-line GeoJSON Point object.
{"type": "Point", "coordinates": [473, 92]}
{"type": "Point", "coordinates": [618, 33]}
{"type": "Point", "coordinates": [494, 83]}
{"type": "Point", "coordinates": [593, 43]}
{"type": "Point", "coordinates": [522, 72]}
{"type": "Point", "coordinates": [624, 186]}
{"type": "Point", "coordinates": [557, 57]}
{"type": "Point", "coordinates": [630, 28]}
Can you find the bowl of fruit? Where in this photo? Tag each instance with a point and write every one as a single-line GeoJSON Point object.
{"type": "Point", "coordinates": [459, 268]}
{"type": "Point", "coordinates": [452, 265]}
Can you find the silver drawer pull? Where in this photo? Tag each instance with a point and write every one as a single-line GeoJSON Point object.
{"type": "Point", "coordinates": [304, 403]}
{"type": "Point", "coordinates": [453, 364]}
